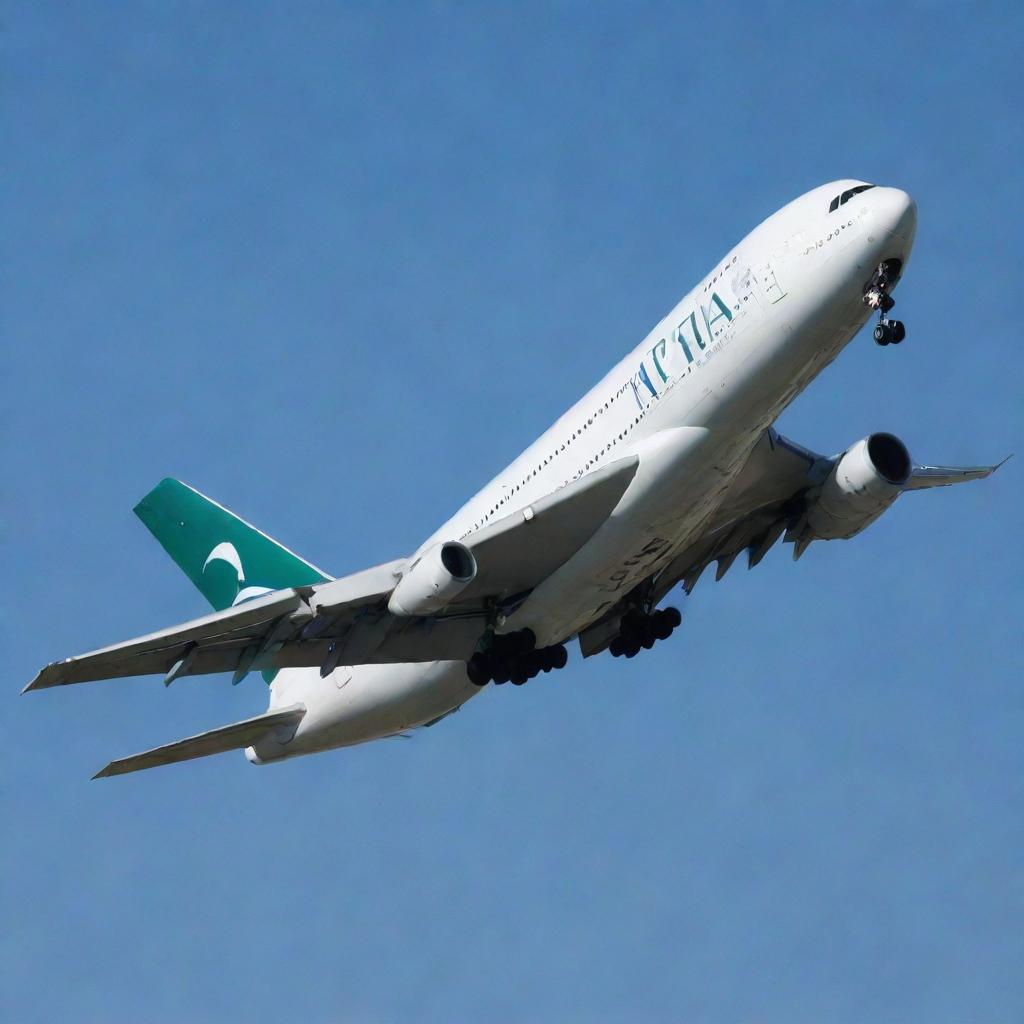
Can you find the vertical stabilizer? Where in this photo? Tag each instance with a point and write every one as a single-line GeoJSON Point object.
{"type": "Point", "coordinates": [224, 556]}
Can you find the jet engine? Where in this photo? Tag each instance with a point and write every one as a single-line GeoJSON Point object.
{"type": "Point", "coordinates": [863, 483]}
{"type": "Point", "coordinates": [434, 580]}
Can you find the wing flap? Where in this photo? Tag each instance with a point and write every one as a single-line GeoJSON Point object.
{"type": "Point", "coordinates": [216, 741]}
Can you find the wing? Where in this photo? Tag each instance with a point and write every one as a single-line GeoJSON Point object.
{"type": "Point", "coordinates": [347, 621]}
{"type": "Point", "coordinates": [769, 501]}
{"type": "Point", "coordinates": [946, 476]}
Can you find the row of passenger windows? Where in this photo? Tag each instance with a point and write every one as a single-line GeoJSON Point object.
{"type": "Point", "coordinates": [566, 444]}
{"type": "Point", "coordinates": [847, 196]}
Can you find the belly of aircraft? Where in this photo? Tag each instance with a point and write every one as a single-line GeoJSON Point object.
{"type": "Point", "coordinates": [683, 476]}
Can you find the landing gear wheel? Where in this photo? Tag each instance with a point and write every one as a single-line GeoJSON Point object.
{"type": "Point", "coordinates": [479, 670]}
{"type": "Point", "coordinates": [882, 333]}
{"type": "Point", "coordinates": [898, 331]}
{"type": "Point", "coordinates": [662, 626]}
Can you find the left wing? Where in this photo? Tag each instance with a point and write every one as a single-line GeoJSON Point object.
{"type": "Point", "coordinates": [348, 620]}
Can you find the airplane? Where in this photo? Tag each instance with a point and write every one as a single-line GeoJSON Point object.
{"type": "Point", "coordinates": [669, 464]}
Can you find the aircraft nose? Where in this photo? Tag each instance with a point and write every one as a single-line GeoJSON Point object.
{"type": "Point", "coordinates": [897, 212]}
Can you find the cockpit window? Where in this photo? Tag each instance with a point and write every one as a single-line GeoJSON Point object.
{"type": "Point", "coordinates": [847, 196]}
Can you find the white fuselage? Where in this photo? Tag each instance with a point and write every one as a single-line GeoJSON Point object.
{"type": "Point", "coordinates": [691, 401]}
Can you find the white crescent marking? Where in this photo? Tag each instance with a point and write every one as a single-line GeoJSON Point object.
{"type": "Point", "coordinates": [226, 552]}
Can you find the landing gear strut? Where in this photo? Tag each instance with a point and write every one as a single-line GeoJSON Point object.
{"type": "Point", "coordinates": [639, 630]}
{"type": "Point", "coordinates": [876, 296]}
{"type": "Point", "coordinates": [514, 658]}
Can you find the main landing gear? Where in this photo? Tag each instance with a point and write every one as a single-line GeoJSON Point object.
{"type": "Point", "coordinates": [639, 630]}
{"type": "Point", "coordinates": [876, 296]}
{"type": "Point", "coordinates": [514, 658]}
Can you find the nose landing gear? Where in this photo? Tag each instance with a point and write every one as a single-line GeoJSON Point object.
{"type": "Point", "coordinates": [876, 296]}
{"type": "Point", "coordinates": [889, 332]}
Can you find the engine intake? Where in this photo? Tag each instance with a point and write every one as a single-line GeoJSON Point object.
{"type": "Point", "coordinates": [434, 580]}
{"type": "Point", "coordinates": [863, 483]}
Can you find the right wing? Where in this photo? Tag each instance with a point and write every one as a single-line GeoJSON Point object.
{"type": "Point", "coordinates": [768, 502]}
{"type": "Point", "coordinates": [946, 476]}
{"type": "Point", "coordinates": [347, 621]}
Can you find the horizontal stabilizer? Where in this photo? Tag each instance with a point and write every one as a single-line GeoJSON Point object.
{"type": "Point", "coordinates": [216, 741]}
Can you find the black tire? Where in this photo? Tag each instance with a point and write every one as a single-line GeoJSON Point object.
{"type": "Point", "coordinates": [649, 633]}
{"type": "Point", "coordinates": [899, 332]}
{"type": "Point", "coordinates": [501, 675]}
{"type": "Point", "coordinates": [479, 670]}
{"type": "Point", "coordinates": [560, 658]}
{"type": "Point", "coordinates": [527, 641]}
{"type": "Point", "coordinates": [673, 616]}
{"type": "Point", "coordinates": [662, 627]}
{"type": "Point", "coordinates": [881, 333]}
{"type": "Point", "coordinates": [616, 648]}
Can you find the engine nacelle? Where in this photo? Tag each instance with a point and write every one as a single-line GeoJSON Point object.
{"type": "Point", "coordinates": [863, 483]}
{"type": "Point", "coordinates": [434, 580]}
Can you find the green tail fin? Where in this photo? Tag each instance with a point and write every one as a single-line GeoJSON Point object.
{"type": "Point", "coordinates": [225, 557]}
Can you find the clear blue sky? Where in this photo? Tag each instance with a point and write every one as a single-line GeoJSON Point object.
{"type": "Point", "coordinates": [337, 264]}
